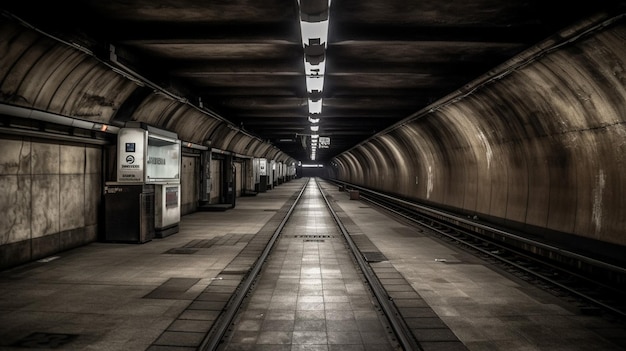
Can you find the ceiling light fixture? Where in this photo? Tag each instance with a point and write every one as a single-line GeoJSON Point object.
{"type": "Point", "coordinates": [315, 106]}
{"type": "Point", "coordinates": [314, 83]}
{"type": "Point", "coordinates": [314, 22]}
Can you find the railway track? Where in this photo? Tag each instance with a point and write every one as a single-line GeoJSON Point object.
{"type": "Point", "coordinates": [216, 337]}
{"type": "Point", "coordinates": [593, 292]}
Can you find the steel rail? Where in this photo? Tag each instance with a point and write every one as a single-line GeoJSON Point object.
{"type": "Point", "coordinates": [402, 331]}
{"type": "Point", "coordinates": [217, 332]}
{"type": "Point", "coordinates": [502, 259]}
{"type": "Point", "coordinates": [494, 230]}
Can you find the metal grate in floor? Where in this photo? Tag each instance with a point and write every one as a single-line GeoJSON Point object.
{"type": "Point", "coordinates": [181, 251]}
{"type": "Point", "coordinates": [374, 256]}
{"type": "Point", "coordinates": [195, 246]}
{"type": "Point", "coordinates": [173, 288]}
{"type": "Point", "coordinates": [313, 236]}
{"type": "Point", "coordinates": [314, 240]}
{"type": "Point", "coordinates": [201, 243]}
{"type": "Point", "coordinates": [44, 340]}
{"type": "Point", "coordinates": [235, 272]}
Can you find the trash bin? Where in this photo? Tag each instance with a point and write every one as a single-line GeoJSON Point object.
{"type": "Point", "coordinates": [128, 212]}
{"type": "Point", "coordinates": [354, 194]}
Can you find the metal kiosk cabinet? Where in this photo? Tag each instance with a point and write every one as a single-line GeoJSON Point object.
{"type": "Point", "coordinates": [163, 170]}
{"type": "Point", "coordinates": [129, 210]}
{"type": "Point", "coordinates": [147, 187]}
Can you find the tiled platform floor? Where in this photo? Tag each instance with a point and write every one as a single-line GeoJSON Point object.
{"type": "Point", "coordinates": [310, 295]}
{"type": "Point", "coordinates": [122, 297]}
{"type": "Point", "coordinates": [486, 308]}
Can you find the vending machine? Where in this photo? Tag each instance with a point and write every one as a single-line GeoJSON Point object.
{"type": "Point", "coordinates": [148, 167]}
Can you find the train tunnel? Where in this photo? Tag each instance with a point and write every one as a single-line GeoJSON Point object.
{"type": "Point", "coordinates": [511, 115]}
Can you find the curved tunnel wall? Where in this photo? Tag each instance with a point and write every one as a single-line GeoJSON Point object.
{"type": "Point", "coordinates": [50, 190]}
{"type": "Point", "coordinates": [42, 73]}
{"type": "Point", "coordinates": [540, 147]}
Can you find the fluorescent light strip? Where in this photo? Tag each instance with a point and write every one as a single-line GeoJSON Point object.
{"type": "Point", "coordinates": [314, 30]}
{"type": "Point", "coordinates": [314, 83]}
{"type": "Point", "coordinates": [314, 70]}
{"type": "Point", "coordinates": [315, 106]}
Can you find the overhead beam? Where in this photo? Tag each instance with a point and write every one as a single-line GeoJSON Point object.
{"type": "Point", "coordinates": [339, 66]}
{"type": "Point", "coordinates": [193, 68]}
{"type": "Point", "coordinates": [131, 32]}
{"type": "Point", "coordinates": [258, 81]}
{"type": "Point", "coordinates": [526, 34]}
{"type": "Point", "coordinates": [264, 102]}
{"type": "Point", "coordinates": [297, 91]}
{"type": "Point", "coordinates": [357, 105]}
{"type": "Point", "coordinates": [347, 66]}
{"type": "Point", "coordinates": [403, 52]}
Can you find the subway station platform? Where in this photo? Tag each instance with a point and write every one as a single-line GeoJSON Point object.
{"type": "Point", "coordinates": [157, 295]}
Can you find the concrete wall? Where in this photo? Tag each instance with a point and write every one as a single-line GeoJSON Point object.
{"type": "Point", "coordinates": [41, 73]}
{"type": "Point", "coordinates": [238, 178]}
{"type": "Point", "coordinates": [216, 181]}
{"type": "Point", "coordinates": [540, 148]}
{"type": "Point", "coordinates": [49, 197]}
{"type": "Point", "coordinates": [189, 184]}
{"type": "Point", "coordinates": [313, 172]}
{"type": "Point", "coordinates": [249, 176]}
{"type": "Point", "coordinates": [50, 192]}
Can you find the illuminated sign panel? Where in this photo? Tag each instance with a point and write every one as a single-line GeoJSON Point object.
{"type": "Point", "coordinates": [130, 158]}
{"type": "Point", "coordinates": [163, 163]}
{"type": "Point", "coordinates": [324, 142]}
{"type": "Point", "coordinates": [263, 167]}
{"type": "Point", "coordinates": [146, 157]}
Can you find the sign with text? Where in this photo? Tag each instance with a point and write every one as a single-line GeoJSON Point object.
{"type": "Point", "coordinates": [131, 149]}
{"type": "Point", "coordinates": [163, 159]}
{"type": "Point", "coordinates": [263, 167]}
{"type": "Point", "coordinates": [324, 142]}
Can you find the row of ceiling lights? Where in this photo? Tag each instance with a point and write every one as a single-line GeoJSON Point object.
{"type": "Point", "coordinates": [314, 16]}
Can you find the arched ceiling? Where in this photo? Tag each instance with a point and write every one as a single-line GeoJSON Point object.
{"type": "Point", "coordinates": [244, 60]}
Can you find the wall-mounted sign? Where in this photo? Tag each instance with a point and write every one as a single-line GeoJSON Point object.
{"type": "Point", "coordinates": [263, 167]}
{"type": "Point", "coordinates": [324, 142]}
{"type": "Point", "coordinates": [163, 159]}
{"type": "Point", "coordinates": [131, 149]}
